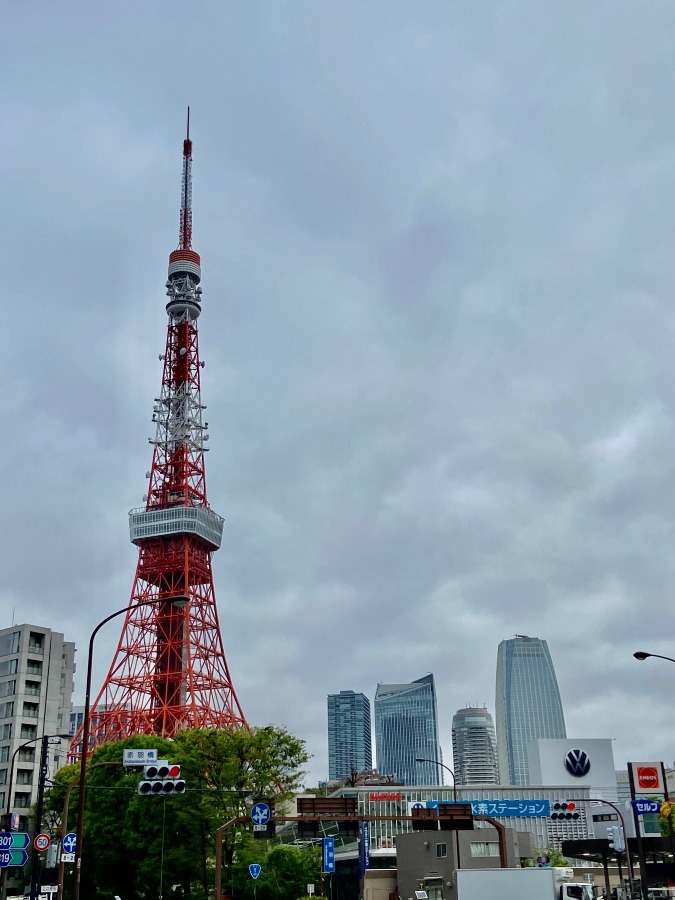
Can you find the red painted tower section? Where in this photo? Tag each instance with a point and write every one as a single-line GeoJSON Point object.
{"type": "Point", "coordinates": [169, 670]}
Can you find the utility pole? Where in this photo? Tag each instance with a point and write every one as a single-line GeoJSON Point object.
{"type": "Point", "coordinates": [35, 861]}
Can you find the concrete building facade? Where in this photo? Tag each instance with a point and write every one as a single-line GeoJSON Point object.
{"type": "Point", "coordinates": [37, 666]}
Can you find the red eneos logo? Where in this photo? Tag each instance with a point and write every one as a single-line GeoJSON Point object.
{"type": "Point", "coordinates": [647, 778]}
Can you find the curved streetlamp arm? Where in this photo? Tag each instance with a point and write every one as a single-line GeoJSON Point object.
{"type": "Point", "coordinates": [642, 654]}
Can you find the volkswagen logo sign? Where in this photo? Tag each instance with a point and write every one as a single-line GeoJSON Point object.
{"type": "Point", "coordinates": [577, 763]}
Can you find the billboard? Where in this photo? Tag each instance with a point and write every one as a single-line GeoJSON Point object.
{"type": "Point", "coordinates": [647, 777]}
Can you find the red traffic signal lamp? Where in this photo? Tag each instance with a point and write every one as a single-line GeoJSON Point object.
{"type": "Point", "coordinates": [564, 809]}
{"type": "Point", "coordinates": [161, 778]}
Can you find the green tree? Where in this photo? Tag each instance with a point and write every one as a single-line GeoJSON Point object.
{"type": "Point", "coordinates": [131, 841]}
{"type": "Point", "coordinates": [286, 871]}
{"type": "Point", "coordinates": [555, 856]}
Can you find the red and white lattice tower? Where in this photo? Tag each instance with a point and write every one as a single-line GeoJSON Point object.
{"type": "Point", "coordinates": [169, 671]}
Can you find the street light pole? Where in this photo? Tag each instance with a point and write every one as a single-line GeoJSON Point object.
{"type": "Point", "coordinates": [642, 654]}
{"type": "Point", "coordinates": [454, 792]}
{"type": "Point", "coordinates": [35, 858]}
{"type": "Point", "coordinates": [177, 601]}
{"type": "Point", "coordinates": [8, 805]}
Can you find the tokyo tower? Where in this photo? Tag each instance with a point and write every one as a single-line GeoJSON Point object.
{"type": "Point", "coordinates": [169, 671]}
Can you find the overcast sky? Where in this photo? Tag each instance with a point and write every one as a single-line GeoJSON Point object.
{"type": "Point", "coordinates": [438, 325]}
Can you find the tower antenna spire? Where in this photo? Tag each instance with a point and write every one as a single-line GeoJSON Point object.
{"type": "Point", "coordinates": [185, 234]}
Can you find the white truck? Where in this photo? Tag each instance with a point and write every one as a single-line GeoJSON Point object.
{"type": "Point", "coordinates": [521, 884]}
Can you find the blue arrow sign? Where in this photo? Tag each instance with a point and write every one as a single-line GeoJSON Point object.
{"type": "Point", "coordinates": [14, 840]}
{"type": "Point", "coordinates": [13, 858]}
{"type": "Point", "coordinates": [69, 843]}
{"type": "Point", "coordinates": [260, 814]}
{"type": "Point", "coordinates": [641, 807]}
{"type": "Point", "coordinates": [255, 869]}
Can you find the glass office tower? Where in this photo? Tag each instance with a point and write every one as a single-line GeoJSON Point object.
{"type": "Point", "coordinates": [406, 728]}
{"type": "Point", "coordinates": [349, 734]}
{"type": "Point", "coordinates": [527, 704]}
{"type": "Point", "coordinates": [474, 746]}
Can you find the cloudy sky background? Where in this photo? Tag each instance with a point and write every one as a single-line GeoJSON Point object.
{"type": "Point", "coordinates": [439, 329]}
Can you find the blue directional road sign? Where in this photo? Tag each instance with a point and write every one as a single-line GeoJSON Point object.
{"type": "Point", "coordinates": [260, 814]}
{"type": "Point", "coordinates": [328, 855]}
{"type": "Point", "coordinates": [255, 869]}
{"type": "Point", "coordinates": [13, 858]}
{"type": "Point", "coordinates": [642, 807]}
{"type": "Point", "coordinates": [13, 840]}
{"type": "Point", "coordinates": [69, 843]}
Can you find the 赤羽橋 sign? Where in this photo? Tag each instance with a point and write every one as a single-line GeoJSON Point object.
{"type": "Point", "coordinates": [502, 809]}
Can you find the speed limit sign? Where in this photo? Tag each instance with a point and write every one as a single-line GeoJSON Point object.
{"type": "Point", "coordinates": [41, 841]}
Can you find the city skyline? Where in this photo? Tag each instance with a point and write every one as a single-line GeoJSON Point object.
{"type": "Point", "coordinates": [437, 253]}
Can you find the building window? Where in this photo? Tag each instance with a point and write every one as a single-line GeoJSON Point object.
{"type": "Point", "coordinates": [9, 667]}
{"type": "Point", "coordinates": [8, 688]}
{"type": "Point", "coordinates": [33, 667]}
{"type": "Point", "coordinates": [7, 732]}
{"type": "Point", "coordinates": [23, 776]}
{"type": "Point", "coordinates": [7, 710]}
{"type": "Point", "coordinates": [30, 710]}
{"type": "Point", "coordinates": [33, 688]}
{"type": "Point", "coordinates": [4, 753]}
{"type": "Point", "coordinates": [484, 848]}
{"type": "Point", "coordinates": [441, 851]}
{"type": "Point", "coordinates": [10, 643]}
{"type": "Point", "coordinates": [21, 800]}
{"type": "Point", "coordinates": [36, 642]}
{"type": "Point", "coordinates": [27, 754]}
{"type": "Point", "coordinates": [28, 732]}
{"type": "Point", "coordinates": [3, 776]}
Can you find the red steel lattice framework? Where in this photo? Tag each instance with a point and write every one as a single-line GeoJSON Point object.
{"type": "Point", "coordinates": [169, 670]}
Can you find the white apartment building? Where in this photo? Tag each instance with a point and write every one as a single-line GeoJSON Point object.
{"type": "Point", "coordinates": [36, 687]}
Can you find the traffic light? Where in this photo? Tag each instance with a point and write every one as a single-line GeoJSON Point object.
{"type": "Point", "coordinates": [564, 809]}
{"type": "Point", "coordinates": [616, 839]}
{"type": "Point", "coordinates": [161, 778]}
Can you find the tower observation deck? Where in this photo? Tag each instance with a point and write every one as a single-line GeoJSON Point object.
{"type": "Point", "coordinates": [169, 671]}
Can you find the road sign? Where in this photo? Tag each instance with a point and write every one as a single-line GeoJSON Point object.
{"type": "Point", "coordinates": [16, 840]}
{"type": "Point", "coordinates": [642, 807]}
{"type": "Point", "coordinates": [67, 857]}
{"type": "Point", "coordinates": [328, 855]}
{"type": "Point", "coordinates": [41, 842]}
{"type": "Point", "coordinates": [13, 858]}
{"type": "Point", "coordinates": [139, 757]}
{"type": "Point", "coordinates": [69, 842]}
{"type": "Point", "coordinates": [260, 814]}
{"type": "Point", "coordinates": [255, 869]}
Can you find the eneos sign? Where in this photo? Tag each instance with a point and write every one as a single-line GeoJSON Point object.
{"type": "Point", "coordinates": [647, 778]}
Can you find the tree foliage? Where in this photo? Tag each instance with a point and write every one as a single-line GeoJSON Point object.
{"type": "Point", "coordinates": [146, 845]}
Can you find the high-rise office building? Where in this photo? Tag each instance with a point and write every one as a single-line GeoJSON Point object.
{"type": "Point", "coordinates": [349, 734]}
{"type": "Point", "coordinates": [406, 729]}
{"type": "Point", "coordinates": [527, 703]}
{"type": "Point", "coordinates": [36, 689]}
{"type": "Point", "coordinates": [474, 746]}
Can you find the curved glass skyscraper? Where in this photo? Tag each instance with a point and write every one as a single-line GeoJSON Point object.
{"type": "Point", "coordinates": [474, 746]}
{"type": "Point", "coordinates": [406, 728]}
{"type": "Point", "coordinates": [527, 704]}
